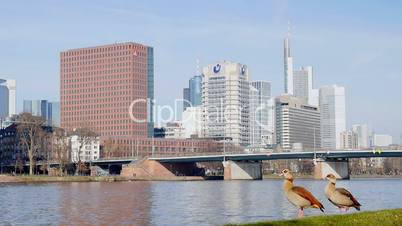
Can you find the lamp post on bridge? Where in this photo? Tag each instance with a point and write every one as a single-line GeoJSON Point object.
{"type": "Point", "coordinates": [315, 153]}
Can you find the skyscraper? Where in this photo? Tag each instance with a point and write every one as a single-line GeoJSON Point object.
{"type": "Point", "coordinates": [363, 134]}
{"type": "Point", "coordinates": [303, 84]}
{"type": "Point", "coordinates": [382, 140]}
{"type": "Point", "coordinates": [288, 65]}
{"type": "Point", "coordinates": [296, 123]}
{"type": "Point", "coordinates": [150, 91]}
{"type": "Point", "coordinates": [261, 113]}
{"type": "Point", "coordinates": [44, 105]}
{"type": "Point", "coordinates": [50, 111]}
{"type": "Point", "coordinates": [195, 85]}
{"type": "Point", "coordinates": [333, 115]}
{"type": "Point", "coordinates": [12, 102]}
{"type": "Point", "coordinates": [53, 113]}
{"type": "Point", "coordinates": [225, 101]}
{"type": "Point", "coordinates": [349, 140]}
{"type": "Point", "coordinates": [107, 88]}
{"type": "Point", "coordinates": [186, 98]}
{"type": "Point", "coordinates": [34, 107]}
{"type": "Point", "coordinates": [7, 97]}
{"type": "Point", "coordinates": [4, 99]}
{"type": "Point", "coordinates": [192, 95]}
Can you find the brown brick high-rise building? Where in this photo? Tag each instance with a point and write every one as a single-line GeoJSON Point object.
{"type": "Point", "coordinates": [98, 85]}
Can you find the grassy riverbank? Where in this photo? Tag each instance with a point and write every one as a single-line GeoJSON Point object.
{"type": "Point", "coordinates": [369, 218]}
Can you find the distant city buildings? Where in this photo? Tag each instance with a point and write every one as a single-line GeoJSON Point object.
{"type": "Point", "coordinates": [297, 124]}
{"type": "Point", "coordinates": [7, 98]}
{"type": "Point", "coordinates": [174, 130]}
{"type": "Point", "coordinates": [333, 115]}
{"type": "Point", "coordinates": [303, 84]}
{"type": "Point", "coordinates": [349, 140]}
{"type": "Point", "coordinates": [261, 114]}
{"type": "Point", "coordinates": [225, 96]}
{"type": "Point", "coordinates": [363, 134]}
{"type": "Point", "coordinates": [186, 98]}
{"type": "Point", "coordinates": [53, 114]}
{"type": "Point", "coordinates": [192, 122]}
{"type": "Point", "coordinates": [382, 140]}
{"type": "Point", "coordinates": [49, 111]}
{"type": "Point", "coordinates": [159, 132]}
{"type": "Point", "coordinates": [4, 98]}
{"type": "Point", "coordinates": [84, 151]}
{"type": "Point", "coordinates": [192, 95]}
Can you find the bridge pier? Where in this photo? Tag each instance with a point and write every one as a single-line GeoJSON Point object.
{"type": "Point", "coordinates": [338, 167]}
{"type": "Point", "coordinates": [153, 170]}
{"type": "Point", "coordinates": [235, 170]}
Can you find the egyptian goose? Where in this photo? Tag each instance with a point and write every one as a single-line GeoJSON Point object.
{"type": "Point", "coordinates": [299, 196]}
{"type": "Point", "coordinates": [340, 197]}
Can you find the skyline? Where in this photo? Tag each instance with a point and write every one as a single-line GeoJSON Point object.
{"type": "Point", "coordinates": [179, 37]}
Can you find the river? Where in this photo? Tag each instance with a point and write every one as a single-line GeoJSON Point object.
{"type": "Point", "coordinates": [175, 203]}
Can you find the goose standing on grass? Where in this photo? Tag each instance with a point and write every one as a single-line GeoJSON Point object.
{"type": "Point", "coordinates": [299, 196]}
{"type": "Point", "coordinates": [340, 197]}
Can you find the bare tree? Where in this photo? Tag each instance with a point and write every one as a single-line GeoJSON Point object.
{"type": "Point", "coordinates": [85, 136]}
{"type": "Point", "coordinates": [61, 149]}
{"type": "Point", "coordinates": [19, 165]}
{"type": "Point", "coordinates": [110, 148]}
{"type": "Point", "coordinates": [30, 132]}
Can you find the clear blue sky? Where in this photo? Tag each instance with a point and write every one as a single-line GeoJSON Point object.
{"type": "Point", "coordinates": [357, 44]}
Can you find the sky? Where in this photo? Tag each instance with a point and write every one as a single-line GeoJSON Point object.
{"type": "Point", "coordinates": [356, 44]}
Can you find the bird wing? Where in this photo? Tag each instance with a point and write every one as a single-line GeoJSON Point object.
{"type": "Point", "coordinates": [348, 194]}
{"type": "Point", "coordinates": [310, 197]}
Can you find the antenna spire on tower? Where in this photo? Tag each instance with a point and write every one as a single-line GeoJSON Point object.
{"type": "Point", "coordinates": [288, 28]}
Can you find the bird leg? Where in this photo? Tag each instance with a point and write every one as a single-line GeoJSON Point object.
{"type": "Point", "coordinates": [300, 213]}
{"type": "Point", "coordinates": [343, 209]}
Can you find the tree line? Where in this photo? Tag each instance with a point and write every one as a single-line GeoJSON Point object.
{"type": "Point", "coordinates": [48, 145]}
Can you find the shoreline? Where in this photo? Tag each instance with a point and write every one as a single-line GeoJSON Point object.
{"type": "Point", "coordinates": [117, 178]}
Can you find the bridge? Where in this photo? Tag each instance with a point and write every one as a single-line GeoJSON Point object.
{"type": "Point", "coordinates": [249, 165]}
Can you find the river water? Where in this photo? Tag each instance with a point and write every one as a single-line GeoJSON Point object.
{"type": "Point", "coordinates": [175, 203]}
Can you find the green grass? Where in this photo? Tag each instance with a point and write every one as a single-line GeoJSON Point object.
{"type": "Point", "coordinates": [375, 218]}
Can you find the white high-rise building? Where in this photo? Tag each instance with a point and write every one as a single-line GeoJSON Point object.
{"type": "Point", "coordinates": [303, 84]}
{"type": "Point", "coordinates": [363, 134]}
{"type": "Point", "coordinates": [297, 125]}
{"type": "Point", "coordinates": [225, 101]}
{"type": "Point", "coordinates": [349, 140]}
{"type": "Point", "coordinates": [261, 114]}
{"type": "Point", "coordinates": [192, 122]}
{"type": "Point", "coordinates": [333, 115]}
{"type": "Point", "coordinates": [7, 98]}
{"type": "Point", "coordinates": [255, 132]}
{"type": "Point", "coordinates": [288, 67]}
{"type": "Point", "coordinates": [314, 98]}
{"type": "Point", "coordinates": [12, 104]}
{"type": "Point", "coordinates": [382, 140]}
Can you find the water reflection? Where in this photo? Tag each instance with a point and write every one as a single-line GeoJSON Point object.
{"type": "Point", "coordinates": [105, 203]}
{"type": "Point", "coordinates": [174, 203]}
